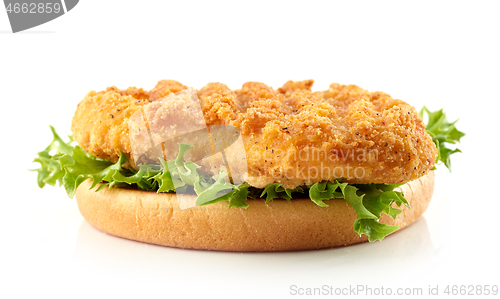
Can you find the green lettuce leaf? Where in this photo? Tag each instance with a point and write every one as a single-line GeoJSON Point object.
{"type": "Point", "coordinates": [164, 178]}
{"type": "Point", "coordinates": [239, 196]}
{"type": "Point", "coordinates": [443, 133]}
{"type": "Point", "coordinates": [50, 171]}
{"type": "Point", "coordinates": [324, 191]}
{"type": "Point", "coordinates": [373, 229]}
{"type": "Point", "coordinates": [221, 190]}
{"type": "Point", "coordinates": [275, 190]}
{"type": "Point", "coordinates": [70, 166]}
{"type": "Point", "coordinates": [368, 201]}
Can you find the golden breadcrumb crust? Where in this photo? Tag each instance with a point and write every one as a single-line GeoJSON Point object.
{"type": "Point", "coordinates": [291, 135]}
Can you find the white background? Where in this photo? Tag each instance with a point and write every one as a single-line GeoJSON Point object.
{"type": "Point", "coordinates": [441, 54]}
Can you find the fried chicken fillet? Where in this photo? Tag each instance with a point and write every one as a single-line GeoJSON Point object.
{"type": "Point", "coordinates": [291, 135]}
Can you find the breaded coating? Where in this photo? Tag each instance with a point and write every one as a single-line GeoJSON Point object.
{"type": "Point", "coordinates": [218, 103]}
{"type": "Point", "coordinates": [100, 123]}
{"type": "Point", "coordinates": [164, 88]}
{"type": "Point", "coordinates": [291, 86]}
{"type": "Point", "coordinates": [291, 135]}
{"type": "Point", "coordinates": [343, 132]}
{"type": "Point", "coordinates": [250, 92]}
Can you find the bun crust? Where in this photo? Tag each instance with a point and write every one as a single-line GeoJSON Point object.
{"type": "Point", "coordinates": [278, 226]}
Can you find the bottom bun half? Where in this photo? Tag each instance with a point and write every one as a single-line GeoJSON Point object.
{"type": "Point", "coordinates": [278, 226]}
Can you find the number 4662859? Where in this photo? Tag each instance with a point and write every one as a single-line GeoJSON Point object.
{"type": "Point", "coordinates": [471, 290]}
{"type": "Point", "coordinates": [34, 8]}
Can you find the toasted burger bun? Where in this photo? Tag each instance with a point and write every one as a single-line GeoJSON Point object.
{"type": "Point", "coordinates": [278, 226]}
